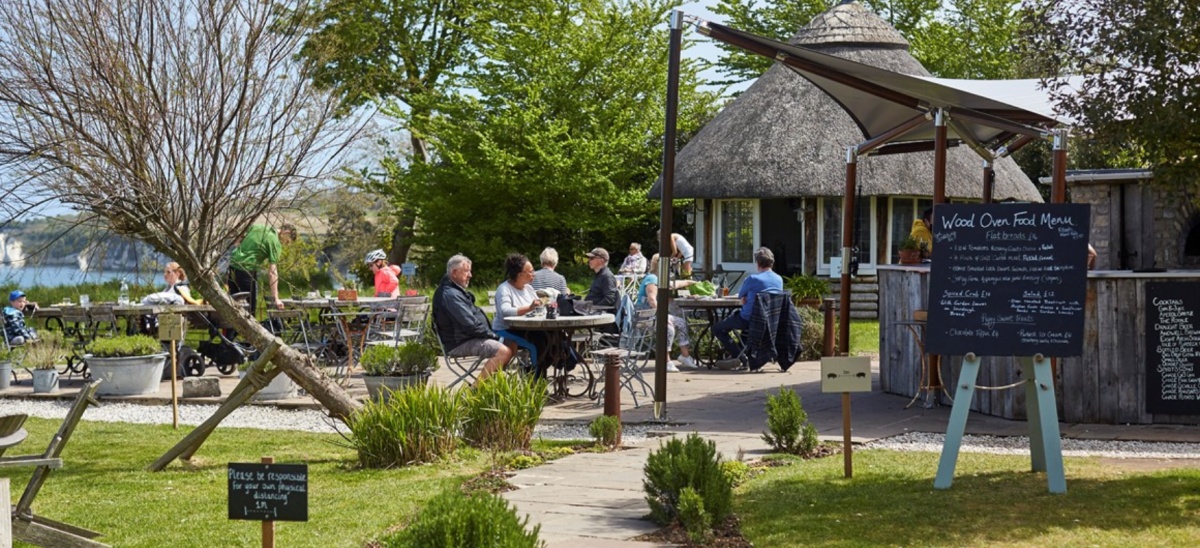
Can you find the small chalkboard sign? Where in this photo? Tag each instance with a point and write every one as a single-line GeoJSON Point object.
{"type": "Point", "coordinates": [1008, 279]}
{"type": "Point", "coordinates": [1172, 348]}
{"type": "Point", "coordinates": [268, 492]}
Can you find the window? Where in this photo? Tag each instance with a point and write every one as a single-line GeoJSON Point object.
{"type": "Point", "coordinates": [830, 232]}
{"type": "Point", "coordinates": [904, 212]}
{"type": "Point", "coordinates": [737, 231]}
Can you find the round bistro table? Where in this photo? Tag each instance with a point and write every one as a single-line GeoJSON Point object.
{"type": "Point", "coordinates": [558, 334]}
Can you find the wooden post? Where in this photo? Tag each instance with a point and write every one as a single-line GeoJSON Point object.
{"type": "Point", "coordinates": [5, 515]}
{"type": "Point", "coordinates": [268, 526]}
{"type": "Point", "coordinates": [174, 389]}
{"type": "Point", "coordinates": [939, 157]}
{"type": "Point", "coordinates": [667, 214]}
{"type": "Point", "coordinates": [612, 392]}
{"type": "Point", "coordinates": [989, 181]}
{"type": "Point", "coordinates": [847, 447]}
{"type": "Point", "coordinates": [254, 380]}
{"type": "Point", "coordinates": [827, 349]}
{"type": "Point", "coordinates": [1058, 192]}
{"type": "Point", "coordinates": [847, 244]}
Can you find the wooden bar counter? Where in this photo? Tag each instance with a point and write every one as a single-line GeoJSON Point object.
{"type": "Point", "coordinates": [1106, 385]}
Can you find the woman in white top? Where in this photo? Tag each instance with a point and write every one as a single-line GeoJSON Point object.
{"type": "Point", "coordinates": [682, 251]}
{"type": "Point", "coordinates": [516, 297]}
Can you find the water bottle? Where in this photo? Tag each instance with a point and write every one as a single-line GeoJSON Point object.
{"type": "Point", "coordinates": [123, 297]}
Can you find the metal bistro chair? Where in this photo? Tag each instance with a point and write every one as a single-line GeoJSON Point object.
{"type": "Point", "coordinates": [637, 338]}
{"type": "Point", "coordinates": [408, 325]}
{"type": "Point", "coordinates": [463, 367]}
{"type": "Point", "coordinates": [16, 357]}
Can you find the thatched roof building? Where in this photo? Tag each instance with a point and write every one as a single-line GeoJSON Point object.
{"type": "Point", "coordinates": [785, 138]}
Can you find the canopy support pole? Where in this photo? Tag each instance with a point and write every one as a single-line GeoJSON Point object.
{"type": "Point", "coordinates": [939, 157]}
{"type": "Point", "coordinates": [892, 134]}
{"type": "Point", "coordinates": [666, 218]}
{"type": "Point", "coordinates": [848, 210]}
{"type": "Point", "coordinates": [1058, 192]}
{"type": "Point", "coordinates": [989, 181]}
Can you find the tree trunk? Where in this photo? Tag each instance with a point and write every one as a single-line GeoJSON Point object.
{"type": "Point", "coordinates": [299, 366]}
{"type": "Point", "coordinates": [402, 234]}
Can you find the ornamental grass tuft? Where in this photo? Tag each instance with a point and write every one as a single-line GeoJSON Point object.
{"type": "Point", "coordinates": [501, 412]}
{"type": "Point", "coordinates": [421, 424]}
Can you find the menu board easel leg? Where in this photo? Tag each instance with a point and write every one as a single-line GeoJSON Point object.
{"type": "Point", "coordinates": [963, 393]}
{"type": "Point", "coordinates": [1037, 445]}
{"type": "Point", "coordinates": [1045, 413]}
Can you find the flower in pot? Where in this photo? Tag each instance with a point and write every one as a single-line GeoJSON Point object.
{"type": "Point", "coordinates": [807, 289]}
{"type": "Point", "coordinates": [129, 365]}
{"type": "Point", "coordinates": [388, 368]}
{"type": "Point", "coordinates": [910, 251]}
{"type": "Point", "coordinates": [42, 356]}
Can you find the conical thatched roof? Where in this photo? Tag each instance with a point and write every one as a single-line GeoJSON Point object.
{"type": "Point", "coordinates": [784, 137]}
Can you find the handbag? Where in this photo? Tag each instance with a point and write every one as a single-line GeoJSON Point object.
{"type": "Point", "coordinates": [574, 306]}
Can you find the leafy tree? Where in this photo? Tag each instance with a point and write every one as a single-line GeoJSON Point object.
{"type": "Point", "coordinates": [777, 20]}
{"type": "Point", "coordinates": [558, 138]}
{"type": "Point", "coordinates": [391, 51]}
{"type": "Point", "coordinates": [1139, 95]}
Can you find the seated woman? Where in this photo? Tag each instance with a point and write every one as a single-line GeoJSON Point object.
{"type": "Point", "coordinates": [387, 276]}
{"type": "Point", "coordinates": [648, 299]}
{"type": "Point", "coordinates": [516, 297]}
{"type": "Point", "coordinates": [177, 291]}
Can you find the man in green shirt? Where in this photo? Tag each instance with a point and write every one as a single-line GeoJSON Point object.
{"type": "Point", "coordinates": [262, 243]}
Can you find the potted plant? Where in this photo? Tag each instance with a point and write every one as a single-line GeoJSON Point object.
{"type": "Point", "coordinates": [6, 359]}
{"type": "Point", "coordinates": [349, 290]}
{"type": "Point", "coordinates": [389, 368]}
{"type": "Point", "coordinates": [910, 251]}
{"type": "Point", "coordinates": [42, 356]}
{"type": "Point", "coordinates": [129, 365]}
{"type": "Point", "coordinates": [807, 289]}
{"type": "Point", "coordinates": [282, 387]}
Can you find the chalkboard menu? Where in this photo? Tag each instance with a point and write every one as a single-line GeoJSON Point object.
{"type": "Point", "coordinates": [268, 492]}
{"type": "Point", "coordinates": [1172, 348]}
{"type": "Point", "coordinates": [1008, 279]}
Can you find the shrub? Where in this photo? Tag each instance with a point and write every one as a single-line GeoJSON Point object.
{"type": "Point", "coordinates": [501, 412]}
{"type": "Point", "coordinates": [806, 286]}
{"type": "Point", "coordinates": [521, 462]}
{"type": "Point", "coordinates": [788, 429]}
{"type": "Point", "coordinates": [410, 358]}
{"type": "Point", "coordinates": [693, 517]}
{"type": "Point", "coordinates": [6, 354]}
{"type": "Point", "coordinates": [124, 346]}
{"type": "Point", "coordinates": [736, 470]}
{"type": "Point", "coordinates": [421, 424]}
{"type": "Point", "coordinates": [45, 352]}
{"type": "Point", "coordinates": [455, 520]}
{"type": "Point", "coordinates": [812, 333]}
{"type": "Point", "coordinates": [605, 429]}
{"type": "Point", "coordinates": [693, 463]}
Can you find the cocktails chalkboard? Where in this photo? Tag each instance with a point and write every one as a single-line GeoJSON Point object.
{"type": "Point", "coordinates": [268, 492]}
{"type": "Point", "coordinates": [1008, 279]}
{"type": "Point", "coordinates": [1172, 348]}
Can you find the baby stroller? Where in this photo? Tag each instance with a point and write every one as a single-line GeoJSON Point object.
{"type": "Point", "coordinates": [219, 350]}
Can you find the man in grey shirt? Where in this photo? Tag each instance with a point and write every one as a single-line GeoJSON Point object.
{"type": "Point", "coordinates": [547, 277]}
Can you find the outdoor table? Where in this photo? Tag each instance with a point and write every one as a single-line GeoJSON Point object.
{"type": "Point", "coordinates": [558, 334]}
{"type": "Point", "coordinates": [343, 319]}
{"type": "Point", "coordinates": [931, 380]}
{"type": "Point", "coordinates": [715, 309]}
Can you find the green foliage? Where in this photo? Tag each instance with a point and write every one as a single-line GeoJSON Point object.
{"type": "Point", "coordinates": [501, 412]}
{"type": "Point", "coordinates": [678, 464]}
{"type": "Point", "coordinates": [788, 429]}
{"type": "Point", "coordinates": [558, 138]}
{"type": "Point", "coordinates": [521, 462]}
{"type": "Point", "coordinates": [6, 353]}
{"type": "Point", "coordinates": [421, 424]}
{"type": "Point", "coordinates": [694, 518]}
{"type": "Point", "coordinates": [605, 429]}
{"type": "Point", "coordinates": [773, 19]}
{"type": "Point", "coordinates": [299, 271]}
{"type": "Point", "coordinates": [455, 520]}
{"type": "Point", "coordinates": [910, 244]}
{"type": "Point", "coordinates": [736, 470]}
{"type": "Point", "coordinates": [124, 346]}
{"type": "Point", "coordinates": [45, 352]}
{"type": "Point", "coordinates": [410, 358]}
{"type": "Point", "coordinates": [806, 286]}
{"type": "Point", "coordinates": [812, 333]}
{"type": "Point", "coordinates": [555, 453]}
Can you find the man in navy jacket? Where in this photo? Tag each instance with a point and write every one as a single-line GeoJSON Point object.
{"type": "Point", "coordinates": [463, 327]}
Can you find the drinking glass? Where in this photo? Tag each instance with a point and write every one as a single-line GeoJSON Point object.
{"type": "Point", "coordinates": [328, 295]}
{"type": "Point", "coordinates": [84, 300]}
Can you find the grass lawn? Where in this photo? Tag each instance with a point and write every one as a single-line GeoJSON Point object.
{"type": "Point", "coordinates": [104, 486]}
{"type": "Point", "coordinates": [864, 337]}
{"type": "Point", "coordinates": [994, 502]}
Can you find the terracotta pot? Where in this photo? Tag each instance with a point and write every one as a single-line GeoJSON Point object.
{"type": "Point", "coordinates": [910, 256]}
{"type": "Point", "coordinates": [347, 295]}
{"type": "Point", "coordinates": [809, 302]}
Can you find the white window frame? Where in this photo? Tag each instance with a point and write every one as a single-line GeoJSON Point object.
{"type": "Point", "coordinates": [864, 269]}
{"type": "Point", "coordinates": [719, 234]}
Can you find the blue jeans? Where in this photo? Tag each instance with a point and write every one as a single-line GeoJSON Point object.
{"type": "Point", "coordinates": [724, 327]}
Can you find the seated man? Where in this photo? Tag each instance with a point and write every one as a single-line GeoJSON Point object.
{"type": "Point", "coordinates": [462, 326]}
{"type": "Point", "coordinates": [15, 329]}
{"type": "Point", "coordinates": [604, 291]}
{"type": "Point", "coordinates": [764, 280]}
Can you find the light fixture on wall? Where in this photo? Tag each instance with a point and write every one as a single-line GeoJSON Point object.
{"type": "Point", "coordinates": [691, 214]}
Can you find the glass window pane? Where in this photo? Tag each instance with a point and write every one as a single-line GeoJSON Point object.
{"type": "Point", "coordinates": [903, 214]}
{"type": "Point", "coordinates": [862, 230]}
{"type": "Point", "coordinates": [737, 226]}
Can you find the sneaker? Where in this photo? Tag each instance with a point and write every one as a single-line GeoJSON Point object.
{"type": "Point", "coordinates": [687, 362]}
{"type": "Point", "coordinates": [729, 364]}
{"type": "Point", "coordinates": [671, 368]}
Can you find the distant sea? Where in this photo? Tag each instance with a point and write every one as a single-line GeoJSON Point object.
{"type": "Point", "coordinates": [53, 276]}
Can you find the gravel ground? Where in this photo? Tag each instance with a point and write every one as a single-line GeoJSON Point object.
{"type": "Point", "coordinates": [920, 441]}
{"type": "Point", "coordinates": [257, 416]}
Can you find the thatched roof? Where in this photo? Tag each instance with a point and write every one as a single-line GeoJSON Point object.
{"type": "Point", "coordinates": [784, 137]}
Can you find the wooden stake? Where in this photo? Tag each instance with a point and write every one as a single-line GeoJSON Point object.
{"type": "Point", "coordinates": [847, 449]}
{"type": "Point", "coordinates": [174, 392]}
{"type": "Point", "coordinates": [5, 515]}
{"type": "Point", "coordinates": [268, 526]}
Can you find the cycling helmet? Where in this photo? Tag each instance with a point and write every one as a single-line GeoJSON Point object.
{"type": "Point", "coordinates": [376, 255]}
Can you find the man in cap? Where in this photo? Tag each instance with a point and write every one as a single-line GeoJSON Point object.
{"type": "Point", "coordinates": [15, 329]}
{"type": "Point", "coordinates": [604, 291]}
